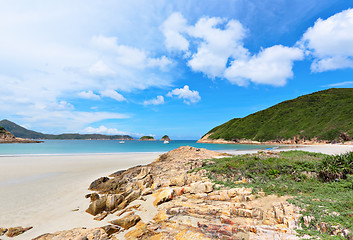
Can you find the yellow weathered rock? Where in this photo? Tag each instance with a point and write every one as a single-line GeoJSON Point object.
{"type": "Point", "coordinates": [189, 235]}
{"type": "Point", "coordinates": [164, 196]}
{"type": "Point", "coordinates": [128, 221]}
{"type": "Point", "coordinates": [160, 216]}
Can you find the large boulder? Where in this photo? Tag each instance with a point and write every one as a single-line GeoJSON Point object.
{"type": "Point", "coordinates": [164, 196]}
{"type": "Point", "coordinates": [201, 187]}
{"type": "Point", "coordinates": [97, 206]}
{"type": "Point", "coordinates": [128, 221]}
{"type": "Point", "coordinates": [97, 184]}
{"type": "Point", "coordinates": [15, 231]}
{"type": "Point", "coordinates": [113, 201]}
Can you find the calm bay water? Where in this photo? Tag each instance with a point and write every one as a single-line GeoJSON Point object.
{"type": "Point", "coordinates": [110, 146]}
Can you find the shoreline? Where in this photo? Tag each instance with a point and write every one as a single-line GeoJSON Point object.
{"type": "Point", "coordinates": [48, 191]}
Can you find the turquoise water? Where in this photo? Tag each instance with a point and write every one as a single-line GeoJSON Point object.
{"type": "Point", "coordinates": [110, 146]}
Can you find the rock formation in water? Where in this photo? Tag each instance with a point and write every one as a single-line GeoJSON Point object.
{"type": "Point", "coordinates": [165, 138]}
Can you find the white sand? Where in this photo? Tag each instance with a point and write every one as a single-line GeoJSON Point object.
{"type": "Point", "coordinates": [323, 148]}
{"type": "Point", "coordinates": [42, 191]}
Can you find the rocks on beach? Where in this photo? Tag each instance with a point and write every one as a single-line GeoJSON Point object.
{"type": "Point", "coordinates": [185, 205]}
{"type": "Point", "coordinates": [13, 231]}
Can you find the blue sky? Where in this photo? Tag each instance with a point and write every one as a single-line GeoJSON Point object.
{"type": "Point", "coordinates": [165, 67]}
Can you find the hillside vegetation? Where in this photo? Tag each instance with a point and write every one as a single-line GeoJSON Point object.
{"type": "Point", "coordinates": [325, 115]}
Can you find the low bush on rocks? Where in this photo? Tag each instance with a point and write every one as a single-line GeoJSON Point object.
{"type": "Point", "coordinates": [322, 185]}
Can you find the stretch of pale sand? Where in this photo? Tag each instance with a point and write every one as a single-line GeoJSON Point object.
{"type": "Point", "coordinates": [331, 149]}
{"type": "Point", "coordinates": [42, 191]}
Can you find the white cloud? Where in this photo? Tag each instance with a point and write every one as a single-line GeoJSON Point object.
{"type": "Point", "coordinates": [189, 96]}
{"type": "Point", "coordinates": [100, 69]}
{"type": "Point", "coordinates": [49, 55]}
{"type": "Point", "coordinates": [104, 130]}
{"type": "Point", "coordinates": [156, 101]}
{"type": "Point", "coordinates": [216, 39]}
{"type": "Point", "coordinates": [126, 55]}
{"type": "Point", "coordinates": [219, 52]}
{"type": "Point", "coordinates": [340, 84]}
{"type": "Point", "coordinates": [172, 29]}
{"type": "Point", "coordinates": [88, 95]}
{"type": "Point", "coordinates": [112, 94]}
{"type": "Point", "coordinates": [218, 44]}
{"type": "Point", "coordinates": [330, 42]}
{"type": "Point", "coordinates": [271, 66]}
{"type": "Point", "coordinates": [109, 131]}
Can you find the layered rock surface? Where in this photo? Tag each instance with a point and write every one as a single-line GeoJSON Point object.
{"type": "Point", "coordinates": [166, 200]}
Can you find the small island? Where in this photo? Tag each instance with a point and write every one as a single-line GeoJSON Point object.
{"type": "Point", "coordinates": [165, 138]}
{"type": "Point", "coordinates": [147, 138]}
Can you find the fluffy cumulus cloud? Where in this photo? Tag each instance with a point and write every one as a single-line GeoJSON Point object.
{"type": "Point", "coordinates": [156, 101]}
{"type": "Point", "coordinates": [189, 96]}
{"type": "Point", "coordinates": [217, 45]}
{"type": "Point", "coordinates": [219, 51]}
{"type": "Point", "coordinates": [112, 94]}
{"type": "Point", "coordinates": [172, 29]}
{"type": "Point", "coordinates": [271, 66]}
{"type": "Point", "coordinates": [330, 42]}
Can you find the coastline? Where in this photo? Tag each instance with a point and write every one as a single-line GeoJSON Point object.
{"type": "Point", "coordinates": [47, 191]}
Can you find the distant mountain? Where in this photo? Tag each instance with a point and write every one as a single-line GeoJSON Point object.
{"type": "Point", "coordinates": [22, 132]}
{"type": "Point", "coordinates": [19, 131]}
{"type": "Point", "coordinates": [321, 116]}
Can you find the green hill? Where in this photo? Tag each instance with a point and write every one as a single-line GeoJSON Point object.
{"type": "Point", "coordinates": [325, 115]}
{"type": "Point", "coordinates": [19, 131]}
{"type": "Point", "coordinates": [147, 138]}
{"type": "Point", "coordinates": [165, 138]}
{"type": "Point", "coordinates": [22, 132]}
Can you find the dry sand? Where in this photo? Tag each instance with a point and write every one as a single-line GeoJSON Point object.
{"type": "Point", "coordinates": [43, 191]}
{"type": "Point", "coordinates": [320, 148]}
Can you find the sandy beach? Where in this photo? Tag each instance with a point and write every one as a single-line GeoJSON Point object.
{"type": "Point", "coordinates": [47, 192]}
{"type": "Point", "coordinates": [43, 191]}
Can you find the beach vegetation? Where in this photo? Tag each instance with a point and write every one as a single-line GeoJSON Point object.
{"type": "Point", "coordinates": [320, 184]}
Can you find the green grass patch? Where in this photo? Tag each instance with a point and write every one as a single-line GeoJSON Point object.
{"type": "Point", "coordinates": [322, 185]}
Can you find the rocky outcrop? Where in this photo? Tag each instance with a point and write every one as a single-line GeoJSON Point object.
{"type": "Point", "coordinates": [80, 233]}
{"type": "Point", "coordinates": [165, 138]}
{"type": "Point", "coordinates": [13, 231]}
{"type": "Point", "coordinates": [187, 204]}
{"type": "Point", "coordinates": [7, 137]}
{"type": "Point", "coordinates": [184, 204]}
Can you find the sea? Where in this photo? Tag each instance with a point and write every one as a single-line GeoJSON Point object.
{"type": "Point", "coordinates": [69, 147]}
